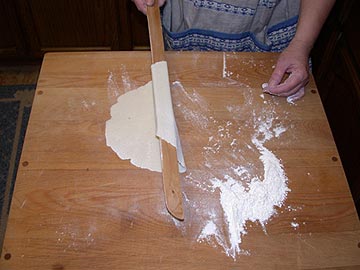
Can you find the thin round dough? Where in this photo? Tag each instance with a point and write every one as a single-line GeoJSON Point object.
{"type": "Point", "coordinates": [131, 130]}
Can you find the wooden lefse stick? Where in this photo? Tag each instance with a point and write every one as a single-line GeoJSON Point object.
{"type": "Point", "coordinates": [170, 169]}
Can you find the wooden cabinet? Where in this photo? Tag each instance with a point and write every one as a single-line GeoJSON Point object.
{"type": "Point", "coordinates": [11, 39]}
{"type": "Point", "coordinates": [29, 28]}
{"type": "Point", "coordinates": [66, 24]}
{"type": "Point", "coordinates": [336, 58]}
{"type": "Point", "coordinates": [139, 31]}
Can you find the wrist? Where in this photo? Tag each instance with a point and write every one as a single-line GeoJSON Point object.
{"type": "Point", "coordinates": [301, 45]}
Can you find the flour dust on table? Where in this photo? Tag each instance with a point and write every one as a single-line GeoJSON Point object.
{"type": "Point", "coordinates": [244, 197]}
{"type": "Point", "coordinates": [238, 194]}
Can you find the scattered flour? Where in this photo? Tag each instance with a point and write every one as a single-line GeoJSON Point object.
{"type": "Point", "coordinates": [279, 130]}
{"type": "Point", "coordinates": [125, 79]}
{"type": "Point", "coordinates": [118, 82]}
{"type": "Point", "coordinates": [87, 105]}
{"type": "Point", "coordinates": [264, 85]}
{"type": "Point", "coordinates": [244, 197]}
{"type": "Point", "coordinates": [256, 201]}
{"type": "Point", "coordinates": [211, 229]}
{"type": "Point", "coordinates": [113, 86]}
{"type": "Point", "coordinates": [226, 73]}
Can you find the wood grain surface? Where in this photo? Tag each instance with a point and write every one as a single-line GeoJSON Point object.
{"type": "Point", "coordinates": [76, 205]}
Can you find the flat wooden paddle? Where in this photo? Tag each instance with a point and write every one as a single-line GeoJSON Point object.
{"type": "Point", "coordinates": [170, 168]}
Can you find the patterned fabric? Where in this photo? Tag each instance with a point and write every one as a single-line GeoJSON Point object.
{"type": "Point", "coordinates": [223, 7]}
{"type": "Point", "coordinates": [230, 25]}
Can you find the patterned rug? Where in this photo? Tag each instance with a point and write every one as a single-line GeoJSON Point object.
{"type": "Point", "coordinates": [15, 107]}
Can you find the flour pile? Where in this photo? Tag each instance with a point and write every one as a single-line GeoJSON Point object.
{"type": "Point", "coordinates": [255, 201]}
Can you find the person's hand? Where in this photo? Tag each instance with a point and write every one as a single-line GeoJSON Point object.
{"type": "Point", "coordinates": [143, 4]}
{"type": "Point", "coordinates": [293, 61]}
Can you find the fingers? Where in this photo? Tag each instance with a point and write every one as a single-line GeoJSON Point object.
{"type": "Point", "coordinates": [293, 88]}
{"type": "Point", "coordinates": [291, 85]}
{"type": "Point", "coordinates": [152, 2]}
{"type": "Point", "coordinates": [149, 3]}
{"type": "Point", "coordinates": [140, 5]}
{"type": "Point", "coordinates": [293, 95]}
{"type": "Point", "coordinates": [298, 95]}
{"type": "Point", "coordinates": [143, 4]}
{"type": "Point", "coordinates": [161, 2]}
{"type": "Point", "coordinates": [277, 75]}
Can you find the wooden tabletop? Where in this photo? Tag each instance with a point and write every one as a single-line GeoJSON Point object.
{"type": "Point", "coordinates": [76, 205]}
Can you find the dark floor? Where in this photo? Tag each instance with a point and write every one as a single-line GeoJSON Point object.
{"type": "Point", "coordinates": [19, 74]}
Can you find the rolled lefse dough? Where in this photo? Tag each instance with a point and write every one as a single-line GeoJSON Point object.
{"type": "Point", "coordinates": [166, 128]}
{"type": "Point", "coordinates": [132, 131]}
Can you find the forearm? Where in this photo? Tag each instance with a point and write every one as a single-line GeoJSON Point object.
{"type": "Point", "coordinates": [313, 14]}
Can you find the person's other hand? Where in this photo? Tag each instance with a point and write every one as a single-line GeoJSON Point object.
{"type": "Point", "coordinates": [294, 61]}
{"type": "Point", "coordinates": [143, 4]}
